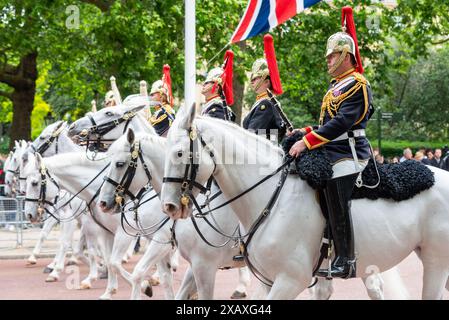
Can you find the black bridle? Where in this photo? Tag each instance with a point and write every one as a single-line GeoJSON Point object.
{"type": "Point", "coordinates": [188, 183]}
{"type": "Point", "coordinates": [99, 130]}
{"type": "Point", "coordinates": [122, 190]}
{"type": "Point", "coordinates": [42, 200]}
{"type": "Point", "coordinates": [54, 137]}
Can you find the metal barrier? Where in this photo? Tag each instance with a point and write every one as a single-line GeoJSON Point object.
{"type": "Point", "coordinates": [12, 216]}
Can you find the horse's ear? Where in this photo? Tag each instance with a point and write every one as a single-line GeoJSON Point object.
{"type": "Point", "coordinates": [130, 136]}
{"type": "Point", "coordinates": [16, 143]}
{"type": "Point", "coordinates": [188, 117]}
{"type": "Point", "coordinates": [138, 108]}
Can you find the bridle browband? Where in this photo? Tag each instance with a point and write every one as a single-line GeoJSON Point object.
{"type": "Point", "coordinates": [47, 143]}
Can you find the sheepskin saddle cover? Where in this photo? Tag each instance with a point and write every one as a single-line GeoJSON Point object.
{"type": "Point", "coordinates": [398, 181]}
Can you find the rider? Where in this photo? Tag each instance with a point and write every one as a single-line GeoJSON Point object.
{"type": "Point", "coordinates": [345, 111]}
{"type": "Point", "coordinates": [164, 114]}
{"type": "Point", "coordinates": [217, 89]}
{"type": "Point", "coordinates": [264, 116]}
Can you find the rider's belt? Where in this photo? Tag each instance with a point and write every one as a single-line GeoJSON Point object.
{"type": "Point", "coordinates": [351, 134]}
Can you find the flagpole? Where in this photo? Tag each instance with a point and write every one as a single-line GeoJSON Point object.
{"type": "Point", "coordinates": [190, 50]}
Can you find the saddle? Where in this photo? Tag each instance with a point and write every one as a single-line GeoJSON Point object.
{"type": "Point", "coordinates": [398, 181]}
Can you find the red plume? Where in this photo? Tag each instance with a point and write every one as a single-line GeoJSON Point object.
{"type": "Point", "coordinates": [227, 77]}
{"type": "Point", "coordinates": [167, 80]}
{"type": "Point", "coordinates": [347, 20]}
{"type": "Point", "coordinates": [270, 55]}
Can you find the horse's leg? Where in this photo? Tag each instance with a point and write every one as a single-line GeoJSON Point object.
{"type": "Point", "coordinates": [106, 251]}
{"type": "Point", "coordinates": [322, 290]}
{"type": "Point", "coordinates": [447, 284]}
{"type": "Point", "coordinates": [79, 248]}
{"type": "Point", "coordinates": [89, 230]}
{"type": "Point", "coordinates": [174, 261]}
{"type": "Point", "coordinates": [374, 286]}
{"type": "Point", "coordinates": [129, 251]}
{"type": "Point", "coordinates": [261, 292]}
{"type": "Point", "coordinates": [244, 282]}
{"type": "Point", "coordinates": [166, 277]}
{"type": "Point", "coordinates": [67, 230]}
{"type": "Point", "coordinates": [204, 275]}
{"type": "Point", "coordinates": [188, 286]}
{"type": "Point", "coordinates": [434, 280]}
{"type": "Point", "coordinates": [122, 243]}
{"type": "Point", "coordinates": [286, 287]}
{"type": "Point", "coordinates": [154, 252]}
{"type": "Point", "coordinates": [48, 225]}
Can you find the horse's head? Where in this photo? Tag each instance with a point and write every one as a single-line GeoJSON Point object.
{"type": "Point", "coordinates": [9, 175]}
{"type": "Point", "coordinates": [41, 189]}
{"type": "Point", "coordinates": [188, 165]}
{"type": "Point", "coordinates": [113, 192]}
{"type": "Point", "coordinates": [105, 125]}
{"type": "Point", "coordinates": [12, 175]}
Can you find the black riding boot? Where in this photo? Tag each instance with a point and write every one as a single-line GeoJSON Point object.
{"type": "Point", "coordinates": [338, 194]}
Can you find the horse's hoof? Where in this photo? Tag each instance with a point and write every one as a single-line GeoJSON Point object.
{"type": "Point", "coordinates": [193, 296]}
{"type": "Point", "coordinates": [72, 263]}
{"type": "Point", "coordinates": [238, 295]}
{"type": "Point", "coordinates": [48, 270]}
{"type": "Point", "coordinates": [114, 291]}
{"type": "Point", "coordinates": [31, 261]}
{"type": "Point", "coordinates": [105, 297]}
{"type": "Point", "coordinates": [85, 285]}
{"type": "Point", "coordinates": [124, 261]}
{"type": "Point", "coordinates": [154, 281]}
{"type": "Point", "coordinates": [149, 290]}
{"type": "Point", "coordinates": [51, 279]}
{"type": "Point", "coordinates": [103, 275]}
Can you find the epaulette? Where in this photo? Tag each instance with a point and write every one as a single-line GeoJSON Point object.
{"type": "Point", "coordinates": [360, 78]}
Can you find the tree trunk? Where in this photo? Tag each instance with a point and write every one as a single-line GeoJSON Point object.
{"type": "Point", "coordinates": [23, 98]}
{"type": "Point", "coordinates": [239, 87]}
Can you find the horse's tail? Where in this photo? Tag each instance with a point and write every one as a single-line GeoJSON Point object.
{"type": "Point", "coordinates": [394, 287]}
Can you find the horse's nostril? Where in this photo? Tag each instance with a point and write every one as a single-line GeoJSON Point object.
{"type": "Point", "coordinates": [102, 204]}
{"type": "Point", "coordinates": [170, 207]}
{"type": "Point", "coordinates": [29, 216]}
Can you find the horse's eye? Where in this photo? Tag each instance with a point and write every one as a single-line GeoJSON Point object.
{"type": "Point", "coordinates": [179, 154]}
{"type": "Point", "coordinates": [120, 164]}
{"type": "Point", "coordinates": [109, 113]}
{"type": "Point", "coordinates": [34, 183]}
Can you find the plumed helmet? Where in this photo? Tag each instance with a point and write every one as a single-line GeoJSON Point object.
{"type": "Point", "coordinates": [339, 42]}
{"type": "Point", "coordinates": [214, 75]}
{"type": "Point", "coordinates": [158, 86]}
{"type": "Point", "coordinates": [260, 69]}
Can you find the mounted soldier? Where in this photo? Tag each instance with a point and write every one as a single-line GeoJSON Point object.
{"type": "Point", "coordinates": [217, 90]}
{"type": "Point", "coordinates": [161, 91]}
{"type": "Point", "coordinates": [266, 116]}
{"type": "Point", "coordinates": [345, 112]}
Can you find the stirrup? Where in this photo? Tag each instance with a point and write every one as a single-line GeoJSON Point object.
{"type": "Point", "coordinates": [345, 271]}
{"type": "Point", "coordinates": [238, 258]}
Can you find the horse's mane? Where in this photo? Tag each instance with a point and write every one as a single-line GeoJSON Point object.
{"type": "Point", "coordinates": [65, 160]}
{"type": "Point", "coordinates": [119, 144]}
{"type": "Point", "coordinates": [242, 134]}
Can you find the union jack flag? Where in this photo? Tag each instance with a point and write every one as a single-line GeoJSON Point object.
{"type": "Point", "coordinates": [263, 15]}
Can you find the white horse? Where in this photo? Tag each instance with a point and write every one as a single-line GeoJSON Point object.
{"type": "Point", "coordinates": [107, 115]}
{"type": "Point", "coordinates": [73, 171]}
{"type": "Point", "coordinates": [285, 248]}
{"type": "Point", "coordinates": [48, 143]}
{"type": "Point", "coordinates": [12, 171]}
{"type": "Point", "coordinates": [204, 259]}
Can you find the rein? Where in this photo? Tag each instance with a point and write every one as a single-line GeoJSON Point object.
{"type": "Point", "coordinates": [188, 183]}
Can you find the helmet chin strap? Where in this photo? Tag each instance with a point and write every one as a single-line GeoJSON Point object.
{"type": "Point", "coordinates": [339, 61]}
{"type": "Point", "coordinates": [259, 83]}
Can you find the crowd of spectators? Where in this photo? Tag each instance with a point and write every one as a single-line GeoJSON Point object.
{"type": "Point", "coordinates": [433, 157]}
